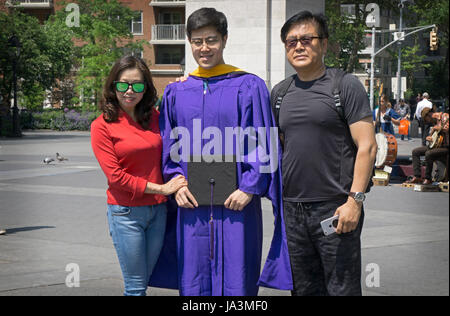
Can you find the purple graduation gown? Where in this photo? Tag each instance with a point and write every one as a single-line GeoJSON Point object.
{"type": "Point", "coordinates": [228, 100]}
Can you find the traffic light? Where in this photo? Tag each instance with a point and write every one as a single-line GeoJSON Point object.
{"type": "Point", "coordinates": [433, 40]}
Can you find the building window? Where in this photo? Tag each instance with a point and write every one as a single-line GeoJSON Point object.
{"type": "Point", "coordinates": [136, 25]}
{"type": "Point", "coordinates": [169, 54]}
{"type": "Point", "coordinates": [170, 18]}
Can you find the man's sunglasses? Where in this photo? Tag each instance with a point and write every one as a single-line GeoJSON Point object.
{"type": "Point", "coordinates": [122, 86]}
{"type": "Point", "coordinates": [305, 40]}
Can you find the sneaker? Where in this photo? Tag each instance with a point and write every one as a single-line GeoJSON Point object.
{"type": "Point", "coordinates": [2, 231]}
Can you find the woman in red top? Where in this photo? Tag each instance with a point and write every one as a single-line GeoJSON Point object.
{"type": "Point", "coordinates": [127, 144]}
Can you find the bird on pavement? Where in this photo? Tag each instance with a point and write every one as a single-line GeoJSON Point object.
{"type": "Point", "coordinates": [48, 160]}
{"type": "Point", "coordinates": [60, 158]}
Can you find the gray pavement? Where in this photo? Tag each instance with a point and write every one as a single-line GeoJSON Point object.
{"type": "Point", "coordinates": [55, 215]}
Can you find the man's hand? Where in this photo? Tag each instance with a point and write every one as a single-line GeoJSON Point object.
{"type": "Point", "coordinates": [185, 198]}
{"type": "Point", "coordinates": [238, 200]}
{"type": "Point", "coordinates": [349, 214]}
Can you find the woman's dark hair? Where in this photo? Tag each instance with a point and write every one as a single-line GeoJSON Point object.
{"type": "Point", "coordinates": [302, 17]}
{"type": "Point", "coordinates": [207, 17]}
{"type": "Point", "coordinates": [110, 105]}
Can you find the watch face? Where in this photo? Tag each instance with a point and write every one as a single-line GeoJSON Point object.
{"type": "Point", "coordinates": [360, 197]}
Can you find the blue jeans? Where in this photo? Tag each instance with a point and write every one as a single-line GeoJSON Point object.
{"type": "Point", "coordinates": [138, 235]}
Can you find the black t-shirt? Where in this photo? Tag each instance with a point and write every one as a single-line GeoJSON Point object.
{"type": "Point", "coordinates": [319, 153]}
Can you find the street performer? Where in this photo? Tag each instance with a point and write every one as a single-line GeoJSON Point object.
{"type": "Point", "coordinates": [432, 152]}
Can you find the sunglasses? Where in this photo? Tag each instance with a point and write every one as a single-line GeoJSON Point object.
{"type": "Point", "coordinates": [305, 40]}
{"type": "Point", "coordinates": [137, 87]}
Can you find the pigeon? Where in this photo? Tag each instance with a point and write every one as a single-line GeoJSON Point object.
{"type": "Point", "coordinates": [60, 158]}
{"type": "Point", "coordinates": [48, 160]}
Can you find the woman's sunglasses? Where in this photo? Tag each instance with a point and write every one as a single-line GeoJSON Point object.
{"type": "Point", "coordinates": [137, 87]}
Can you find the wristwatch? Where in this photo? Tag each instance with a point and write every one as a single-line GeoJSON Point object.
{"type": "Point", "coordinates": [358, 196]}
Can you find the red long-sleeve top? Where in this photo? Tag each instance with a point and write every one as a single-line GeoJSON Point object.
{"type": "Point", "coordinates": [130, 157]}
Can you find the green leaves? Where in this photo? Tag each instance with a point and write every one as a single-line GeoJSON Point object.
{"type": "Point", "coordinates": [46, 54]}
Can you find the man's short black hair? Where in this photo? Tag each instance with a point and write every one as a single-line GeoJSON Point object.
{"type": "Point", "coordinates": [207, 17]}
{"type": "Point", "coordinates": [302, 17]}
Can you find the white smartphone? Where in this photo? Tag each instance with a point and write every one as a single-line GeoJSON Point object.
{"type": "Point", "coordinates": [329, 225]}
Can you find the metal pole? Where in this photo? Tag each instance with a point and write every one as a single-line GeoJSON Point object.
{"type": "Point", "coordinates": [399, 59]}
{"type": "Point", "coordinates": [372, 68]}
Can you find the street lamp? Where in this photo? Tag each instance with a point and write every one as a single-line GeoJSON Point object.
{"type": "Point", "coordinates": [401, 5]}
{"type": "Point", "coordinates": [15, 43]}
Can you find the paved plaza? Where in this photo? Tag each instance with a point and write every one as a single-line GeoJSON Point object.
{"type": "Point", "coordinates": [55, 217]}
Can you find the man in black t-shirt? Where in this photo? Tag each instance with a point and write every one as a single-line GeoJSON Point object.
{"type": "Point", "coordinates": [327, 163]}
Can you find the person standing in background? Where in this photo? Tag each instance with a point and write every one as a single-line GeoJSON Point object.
{"type": "Point", "coordinates": [404, 111]}
{"type": "Point", "coordinates": [424, 127]}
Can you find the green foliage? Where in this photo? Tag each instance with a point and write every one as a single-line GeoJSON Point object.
{"type": "Point", "coordinates": [437, 84]}
{"type": "Point", "coordinates": [45, 56]}
{"type": "Point", "coordinates": [433, 12]}
{"type": "Point", "coordinates": [104, 37]}
{"type": "Point", "coordinates": [411, 61]}
{"type": "Point", "coordinates": [347, 32]}
{"type": "Point", "coordinates": [34, 99]}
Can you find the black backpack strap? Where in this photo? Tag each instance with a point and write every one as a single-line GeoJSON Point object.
{"type": "Point", "coordinates": [336, 92]}
{"type": "Point", "coordinates": [278, 94]}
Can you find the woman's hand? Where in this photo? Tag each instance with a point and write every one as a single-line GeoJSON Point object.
{"type": "Point", "coordinates": [173, 185]}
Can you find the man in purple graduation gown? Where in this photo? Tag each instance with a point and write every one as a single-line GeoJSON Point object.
{"type": "Point", "coordinates": [194, 114]}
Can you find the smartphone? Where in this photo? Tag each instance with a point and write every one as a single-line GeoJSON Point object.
{"type": "Point", "coordinates": [329, 225]}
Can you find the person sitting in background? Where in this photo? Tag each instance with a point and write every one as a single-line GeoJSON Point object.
{"type": "Point", "coordinates": [441, 124]}
{"type": "Point", "coordinates": [384, 116]}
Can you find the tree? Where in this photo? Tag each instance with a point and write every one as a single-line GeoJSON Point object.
{"type": "Point", "coordinates": [347, 34]}
{"type": "Point", "coordinates": [45, 56]}
{"type": "Point", "coordinates": [411, 61]}
{"type": "Point", "coordinates": [436, 12]}
{"type": "Point", "coordinates": [103, 35]}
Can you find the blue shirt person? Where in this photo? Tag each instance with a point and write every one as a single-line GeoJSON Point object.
{"type": "Point", "coordinates": [384, 116]}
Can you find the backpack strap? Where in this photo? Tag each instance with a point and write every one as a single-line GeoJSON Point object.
{"type": "Point", "coordinates": [278, 95]}
{"type": "Point", "coordinates": [336, 92]}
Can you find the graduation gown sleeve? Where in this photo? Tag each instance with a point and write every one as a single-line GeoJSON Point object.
{"type": "Point", "coordinates": [277, 269]}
